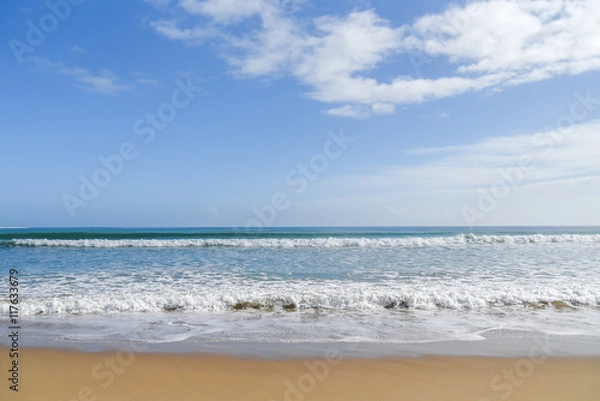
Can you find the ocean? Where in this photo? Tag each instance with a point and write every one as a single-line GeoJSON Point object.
{"type": "Point", "coordinates": [303, 285]}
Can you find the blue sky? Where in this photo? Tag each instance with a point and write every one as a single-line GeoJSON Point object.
{"type": "Point", "coordinates": [296, 112]}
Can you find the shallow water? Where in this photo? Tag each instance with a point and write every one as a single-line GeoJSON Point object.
{"type": "Point", "coordinates": [384, 285]}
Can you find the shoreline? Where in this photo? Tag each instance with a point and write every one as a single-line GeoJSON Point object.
{"type": "Point", "coordinates": [551, 346]}
{"type": "Point", "coordinates": [67, 375]}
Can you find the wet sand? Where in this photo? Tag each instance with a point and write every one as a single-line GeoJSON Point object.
{"type": "Point", "coordinates": [64, 375]}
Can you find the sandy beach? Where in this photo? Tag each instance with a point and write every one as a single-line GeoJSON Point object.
{"type": "Point", "coordinates": [49, 374]}
{"type": "Point", "coordinates": [300, 200]}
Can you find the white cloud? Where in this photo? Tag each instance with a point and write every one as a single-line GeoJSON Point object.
{"type": "Point", "coordinates": [77, 49]}
{"type": "Point", "coordinates": [518, 36]}
{"type": "Point", "coordinates": [344, 46]}
{"type": "Point", "coordinates": [171, 30]}
{"type": "Point", "coordinates": [349, 111]}
{"type": "Point", "coordinates": [276, 47]}
{"type": "Point", "coordinates": [560, 185]}
{"type": "Point", "coordinates": [383, 108]}
{"type": "Point", "coordinates": [228, 10]}
{"type": "Point", "coordinates": [145, 78]}
{"type": "Point", "coordinates": [362, 111]}
{"type": "Point", "coordinates": [554, 156]}
{"type": "Point", "coordinates": [148, 81]}
{"type": "Point", "coordinates": [103, 82]}
{"type": "Point", "coordinates": [490, 45]}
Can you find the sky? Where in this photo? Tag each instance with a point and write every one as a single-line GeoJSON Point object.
{"type": "Point", "coordinates": [253, 113]}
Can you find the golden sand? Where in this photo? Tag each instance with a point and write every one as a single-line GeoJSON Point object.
{"type": "Point", "coordinates": [46, 374]}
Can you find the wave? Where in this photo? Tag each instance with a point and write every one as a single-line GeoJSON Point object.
{"type": "Point", "coordinates": [329, 242]}
{"type": "Point", "coordinates": [298, 300]}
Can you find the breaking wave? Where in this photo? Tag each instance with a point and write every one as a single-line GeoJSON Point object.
{"type": "Point", "coordinates": [330, 242]}
{"type": "Point", "coordinates": [324, 300]}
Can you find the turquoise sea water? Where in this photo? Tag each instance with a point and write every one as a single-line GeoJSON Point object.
{"type": "Point", "coordinates": [388, 285]}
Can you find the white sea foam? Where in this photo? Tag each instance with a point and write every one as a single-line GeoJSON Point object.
{"type": "Point", "coordinates": [331, 242]}
{"type": "Point", "coordinates": [303, 287]}
{"type": "Point", "coordinates": [294, 297]}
